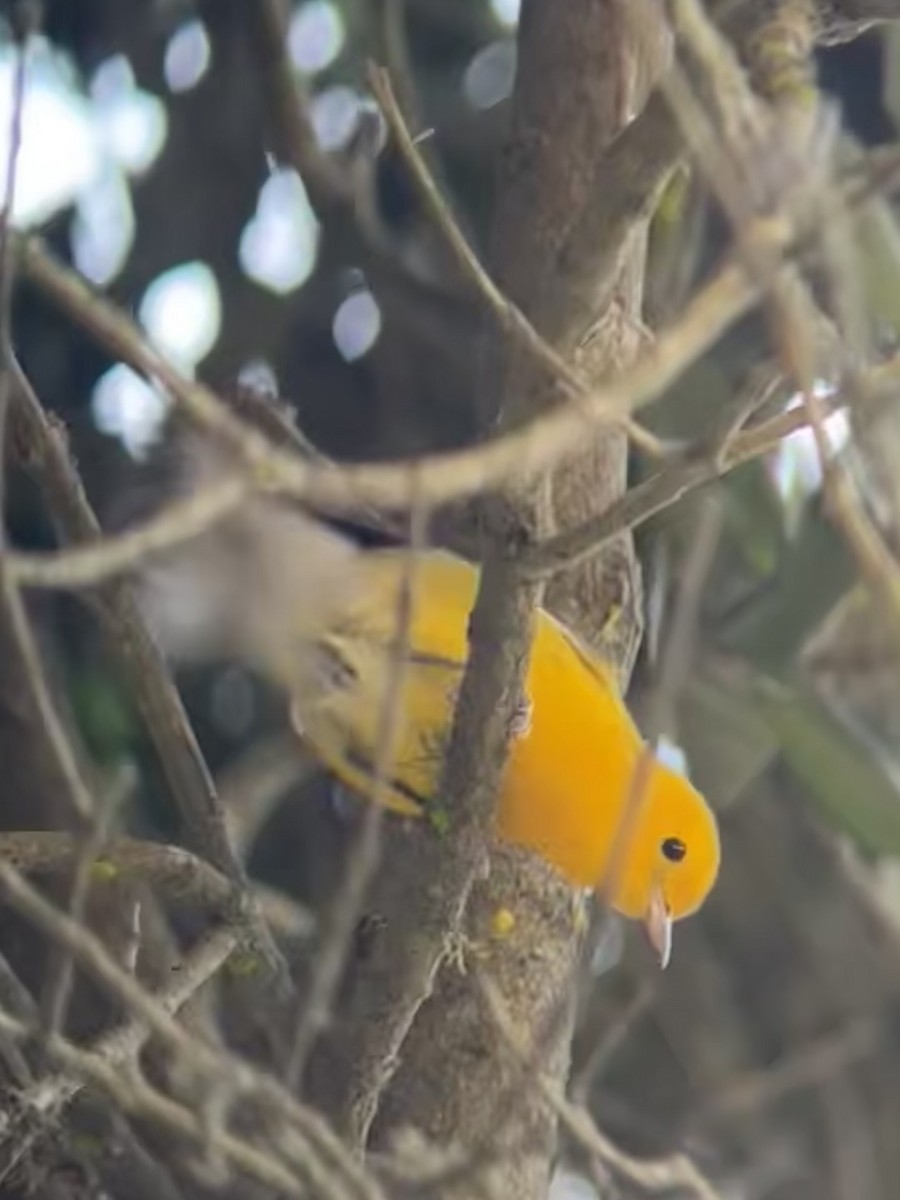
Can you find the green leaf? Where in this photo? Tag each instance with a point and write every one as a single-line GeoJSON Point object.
{"type": "Point", "coordinates": [728, 744]}
{"type": "Point", "coordinates": [813, 574]}
{"type": "Point", "coordinates": [105, 715]}
{"type": "Point", "coordinates": [856, 792]}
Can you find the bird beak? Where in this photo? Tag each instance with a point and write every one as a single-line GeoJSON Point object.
{"type": "Point", "coordinates": [658, 923]}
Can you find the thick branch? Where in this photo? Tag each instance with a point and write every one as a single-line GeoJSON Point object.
{"type": "Point", "coordinates": [545, 187]}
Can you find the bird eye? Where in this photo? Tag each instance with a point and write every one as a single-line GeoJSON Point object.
{"type": "Point", "coordinates": [674, 849]}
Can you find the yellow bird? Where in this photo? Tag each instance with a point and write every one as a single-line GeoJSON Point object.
{"type": "Point", "coordinates": [319, 616]}
{"type": "Point", "coordinates": [569, 775]}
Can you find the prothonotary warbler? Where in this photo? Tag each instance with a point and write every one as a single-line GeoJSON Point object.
{"type": "Point", "coordinates": [568, 785]}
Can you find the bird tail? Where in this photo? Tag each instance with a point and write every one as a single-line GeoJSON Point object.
{"type": "Point", "coordinates": [262, 585]}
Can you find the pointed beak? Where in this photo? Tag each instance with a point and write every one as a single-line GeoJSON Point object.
{"type": "Point", "coordinates": [658, 923]}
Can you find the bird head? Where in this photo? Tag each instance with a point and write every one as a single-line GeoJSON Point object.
{"type": "Point", "coordinates": [671, 860]}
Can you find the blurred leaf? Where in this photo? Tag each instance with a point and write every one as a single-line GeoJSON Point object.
{"type": "Point", "coordinates": [727, 743]}
{"type": "Point", "coordinates": [854, 790]}
{"type": "Point", "coordinates": [692, 400]}
{"type": "Point", "coordinates": [107, 721]}
{"type": "Point", "coordinates": [878, 255]}
{"type": "Point", "coordinates": [754, 517]}
{"type": "Point", "coordinates": [853, 661]}
{"type": "Point", "coordinates": [814, 572]}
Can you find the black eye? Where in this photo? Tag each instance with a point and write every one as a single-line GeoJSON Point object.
{"type": "Point", "coordinates": [674, 849]}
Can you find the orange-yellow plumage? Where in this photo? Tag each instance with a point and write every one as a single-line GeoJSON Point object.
{"type": "Point", "coordinates": [318, 615]}
{"type": "Point", "coordinates": [569, 773]}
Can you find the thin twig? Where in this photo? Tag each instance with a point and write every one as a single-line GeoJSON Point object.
{"type": "Point", "coordinates": [362, 860]}
{"type": "Point", "coordinates": [253, 784]}
{"type": "Point", "coordinates": [50, 463]}
{"type": "Point", "coordinates": [9, 192]}
{"type": "Point", "coordinates": [593, 1064]}
{"type": "Point", "coordinates": [658, 492]}
{"type": "Point", "coordinates": [807, 1067]}
{"type": "Point", "coordinates": [57, 739]}
{"type": "Point", "coordinates": [677, 656]}
{"type": "Point", "coordinates": [179, 522]}
{"type": "Point", "coordinates": [66, 569]}
{"type": "Point", "coordinates": [653, 1175]}
{"type": "Point", "coordinates": [47, 1096]}
{"type": "Point", "coordinates": [58, 982]}
{"type": "Point", "coordinates": [58, 743]}
{"type": "Point", "coordinates": [342, 194]}
{"type": "Point", "coordinates": [511, 319]}
{"type": "Point", "coordinates": [175, 874]}
{"type": "Point", "coordinates": [101, 1067]}
{"type": "Point", "coordinates": [194, 1052]}
{"type": "Point", "coordinates": [287, 110]}
{"type": "Point", "coordinates": [15, 999]}
{"type": "Point", "coordinates": [445, 477]}
{"type": "Point", "coordinates": [876, 562]}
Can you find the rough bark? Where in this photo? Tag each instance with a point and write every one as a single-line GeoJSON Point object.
{"type": "Point", "coordinates": [579, 76]}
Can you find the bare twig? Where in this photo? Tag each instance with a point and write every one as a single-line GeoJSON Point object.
{"type": "Point", "coordinates": [656, 493]}
{"type": "Point", "coordinates": [362, 860]}
{"type": "Point", "coordinates": [115, 1047]}
{"type": "Point", "coordinates": [74, 568]}
{"type": "Point", "coordinates": [175, 874]}
{"type": "Point", "coordinates": [795, 313]}
{"type": "Point", "coordinates": [58, 982]}
{"type": "Point", "coordinates": [181, 521]}
{"type": "Point", "coordinates": [101, 1067]}
{"type": "Point", "coordinates": [604, 1048]}
{"type": "Point", "coordinates": [58, 743]}
{"type": "Point", "coordinates": [288, 119]}
{"type": "Point", "coordinates": [652, 1175]}
{"type": "Point", "coordinates": [444, 477]}
{"type": "Point", "coordinates": [22, 34]}
{"type": "Point", "coordinates": [393, 42]}
{"type": "Point", "coordinates": [877, 564]}
{"type": "Point", "coordinates": [49, 460]}
{"type": "Point", "coordinates": [808, 1067]}
{"type": "Point", "coordinates": [511, 319]}
{"type": "Point", "coordinates": [252, 785]}
{"type": "Point", "coordinates": [678, 652]}
{"type": "Point", "coordinates": [47, 1097]}
{"type": "Point", "coordinates": [15, 999]}
{"type": "Point", "coordinates": [341, 194]}
{"type": "Point", "coordinates": [195, 1053]}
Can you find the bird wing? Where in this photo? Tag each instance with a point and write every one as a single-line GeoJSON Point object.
{"type": "Point", "coordinates": [342, 717]}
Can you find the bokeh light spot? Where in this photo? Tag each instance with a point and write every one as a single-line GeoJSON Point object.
{"type": "Point", "coordinates": [334, 113]}
{"type": "Point", "coordinates": [54, 115]}
{"type": "Point", "coordinates": [279, 245]}
{"type": "Point", "coordinates": [127, 407]}
{"type": "Point", "coordinates": [357, 324]}
{"type": "Point", "coordinates": [794, 465]}
{"type": "Point", "coordinates": [182, 312]}
{"type": "Point", "coordinates": [187, 56]}
{"type": "Point", "coordinates": [506, 12]}
{"type": "Point", "coordinates": [490, 75]}
{"type": "Point", "coordinates": [103, 228]}
{"type": "Point", "coordinates": [131, 123]}
{"type": "Point", "coordinates": [316, 36]}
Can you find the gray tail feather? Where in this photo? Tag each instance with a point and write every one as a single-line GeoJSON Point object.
{"type": "Point", "coordinates": [260, 586]}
